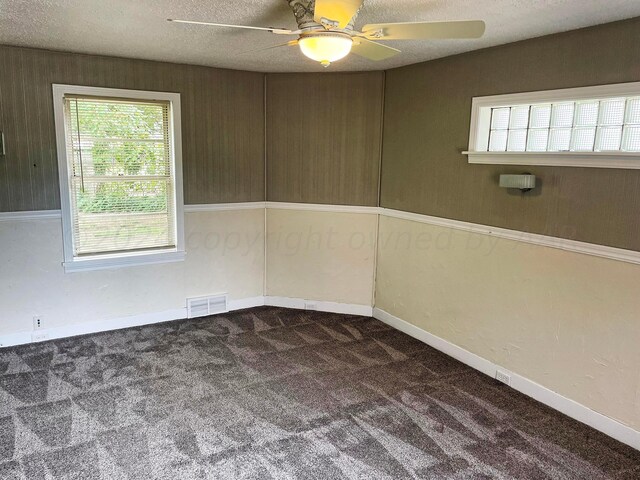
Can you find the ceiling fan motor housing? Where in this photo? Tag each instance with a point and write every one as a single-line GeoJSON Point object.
{"type": "Point", "coordinates": [326, 31]}
{"type": "Point", "coordinates": [304, 11]}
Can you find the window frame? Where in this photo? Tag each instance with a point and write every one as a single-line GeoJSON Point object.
{"type": "Point", "coordinates": [480, 126]}
{"type": "Point", "coordinates": [74, 263]}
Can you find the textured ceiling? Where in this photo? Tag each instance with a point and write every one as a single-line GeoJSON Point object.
{"type": "Point", "coordinates": [138, 28]}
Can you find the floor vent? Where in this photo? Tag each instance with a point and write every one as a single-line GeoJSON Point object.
{"type": "Point", "coordinates": [203, 306]}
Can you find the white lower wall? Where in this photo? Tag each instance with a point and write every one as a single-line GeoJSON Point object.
{"type": "Point", "coordinates": [321, 255]}
{"type": "Point", "coordinates": [225, 253]}
{"type": "Point", "coordinates": [565, 324]}
{"type": "Point", "coordinates": [567, 321]}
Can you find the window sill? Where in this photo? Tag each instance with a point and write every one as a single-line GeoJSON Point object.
{"type": "Point", "coordinates": [104, 262]}
{"type": "Point", "coordinates": [627, 160]}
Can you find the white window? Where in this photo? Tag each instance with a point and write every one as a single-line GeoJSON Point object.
{"type": "Point", "coordinates": [119, 160]}
{"type": "Point", "coordinates": [580, 127]}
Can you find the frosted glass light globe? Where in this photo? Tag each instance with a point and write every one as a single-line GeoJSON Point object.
{"type": "Point", "coordinates": [326, 48]}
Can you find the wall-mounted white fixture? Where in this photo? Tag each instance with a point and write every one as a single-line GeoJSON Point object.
{"type": "Point", "coordinates": [524, 182]}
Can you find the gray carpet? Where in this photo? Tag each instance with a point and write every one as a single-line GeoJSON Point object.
{"type": "Point", "coordinates": [276, 393]}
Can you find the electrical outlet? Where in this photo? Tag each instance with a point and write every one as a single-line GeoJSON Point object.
{"type": "Point", "coordinates": [310, 306]}
{"type": "Point", "coordinates": [503, 377]}
{"type": "Point", "coordinates": [39, 336]}
{"type": "Point", "coordinates": [38, 323]}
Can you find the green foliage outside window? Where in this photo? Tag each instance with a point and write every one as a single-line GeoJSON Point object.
{"type": "Point", "coordinates": [121, 140]}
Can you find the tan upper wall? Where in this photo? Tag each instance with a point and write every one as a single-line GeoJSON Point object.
{"type": "Point", "coordinates": [426, 126]}
{"type": "Point", "coordinates": [324, 133]}
{"type": "Point", "coordinates": [222, 111]}
{"type": "Point", "coordinates": [323, 137]}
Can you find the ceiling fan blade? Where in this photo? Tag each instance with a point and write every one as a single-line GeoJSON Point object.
{"type": "Point", "coordinates": [288, 44]}
{"type": "Point", "coordinates": [424, 30]}
{"type": "Point", "coordinates": [340, 12]}
{"type": "Point", "coordinates": [278, 31]}
{"type": "Point", "coordinates": [372, 50]}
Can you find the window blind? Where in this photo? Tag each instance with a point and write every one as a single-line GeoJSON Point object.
{"type": "Point", "coordinates": [122, 180]}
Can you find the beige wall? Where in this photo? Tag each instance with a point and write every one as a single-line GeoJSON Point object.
{"type": "Point", "coordinates": [564, 320]}
{"type": "Point", "coordinates": [321, 256]}
{"type": "Point", "coordinates": [326, 256]}
{"type": "Point", "coordinates": [225, 253]}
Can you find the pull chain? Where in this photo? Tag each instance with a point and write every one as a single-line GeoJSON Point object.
{"type": "Point", "coordinates": [79, 147]}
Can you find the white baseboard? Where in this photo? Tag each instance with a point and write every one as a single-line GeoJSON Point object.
{"type": "Point", "coordinates": [22, 338]}
{"type": "Point", "coordinates": [571, 408]}
{"type": "Point", "coordinates": [66, 331]}
{"type": "Point", "coordinates": [13, 339]}
{"type": "Point", "coordinates": [242, 303]}
{"type": "Point", "coordinates": [332, 307]}
{"type": "Point", "coordinates": [466, 357]}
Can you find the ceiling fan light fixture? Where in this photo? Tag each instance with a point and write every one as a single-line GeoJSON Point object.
{"type": "Point", "coordinates": [326, 48]}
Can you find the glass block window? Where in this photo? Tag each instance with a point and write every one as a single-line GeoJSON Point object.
{"type": "Point", "coordinates": [599, 125]}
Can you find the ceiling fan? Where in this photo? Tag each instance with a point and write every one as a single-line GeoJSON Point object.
{"type": "Point", "coordinates": [326, 31]}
